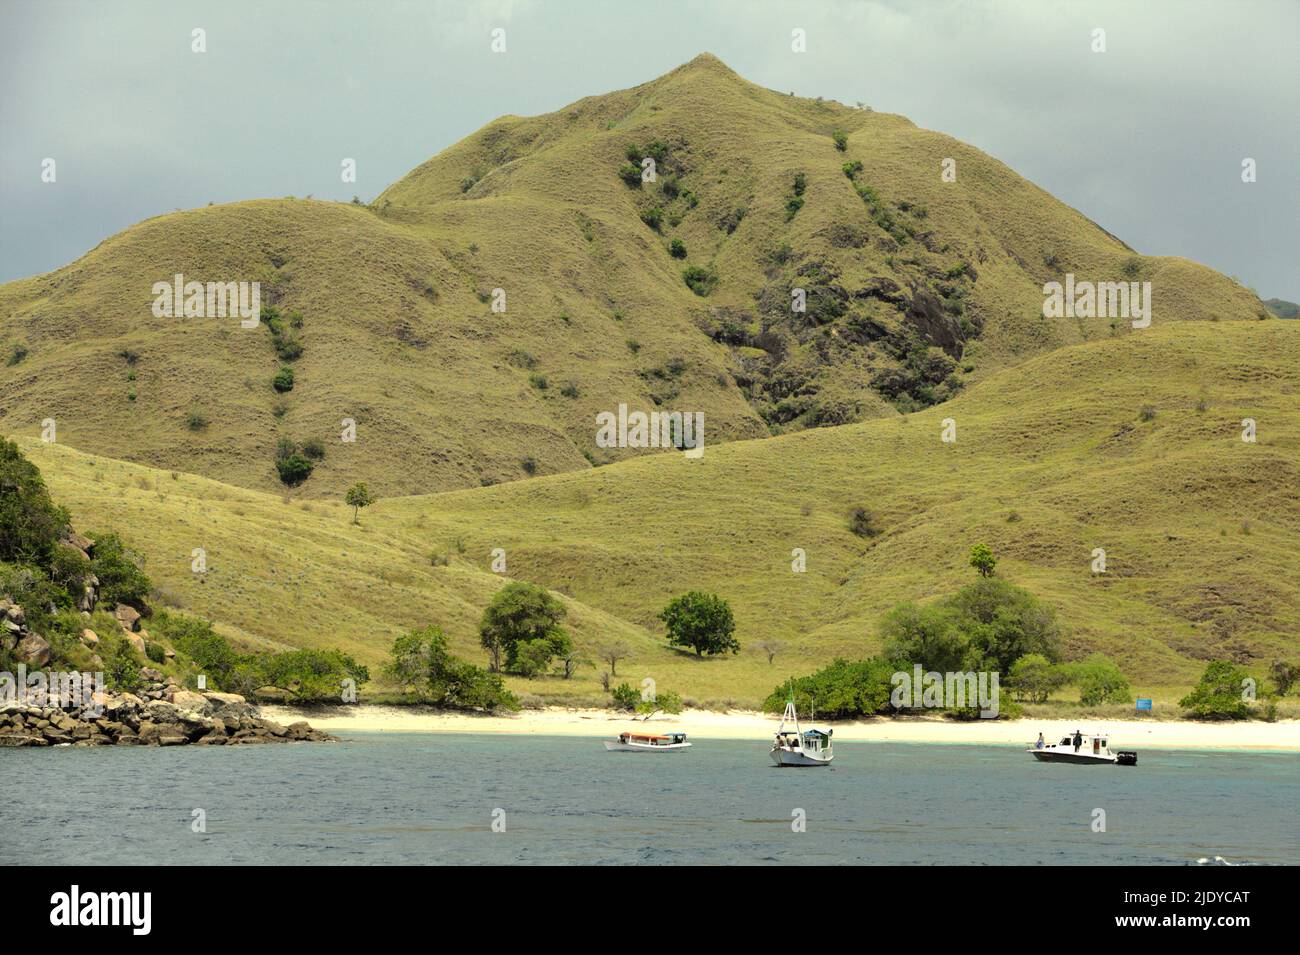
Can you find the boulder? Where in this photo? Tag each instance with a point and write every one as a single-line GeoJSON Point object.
{"type": "Point", "coordinates": [128, 617]}
{"type": "Point", "coordinates": [188, 700]}
{"type": "Point", "coordinates": [136, 641]}
{"type": "Point", "coordinates": [90, 638]}
{"type": "Point", "coordinates": [149, 673]}
{"type": "Point", "coordinates": [33, 650]}
{"type": "Point", "coordinates": [81, 541]}
{"type": "Point", "coordinates": [72, 548]}
{"type": "Point", "coordinates": [15, 613]}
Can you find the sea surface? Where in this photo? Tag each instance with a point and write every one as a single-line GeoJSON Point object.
{"type": "Point", "coordinates": [415, 799]}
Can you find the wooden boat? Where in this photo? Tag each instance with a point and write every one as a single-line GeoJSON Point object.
{"type": "Point", "coordinates": [647, 743]}
{"type": "Point", "coordinates": [800, 747]}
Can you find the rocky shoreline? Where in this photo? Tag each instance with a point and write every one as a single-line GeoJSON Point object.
{"type": "Point", "coordinates": [164, 715]}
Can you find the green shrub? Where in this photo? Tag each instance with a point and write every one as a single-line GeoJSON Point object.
{"type": "Point", "coordinates": [156, 652]}
{"type": "Point", "coordinates": [1099, 681]}
{"type": "Point", "coordinates": [677, 249]}
{"type": "Point", "coordinates": [314, 448]}
{"type": "Point", "coordinates": [625, 697]}
{"type": "Point", "coordinates": [196, 420]}
{"type": "Point", "coordinates": [288, 349]}
{"type": "Point", "coordinates": [539, 382]}
{"type": "Point", "coordinates": [283, 380]}
{"type": "Point", "coordinates": [631, 175]}
{"type": "Point", "coordinates": [841, 139]}
{"type": "Point", "coordinates": [1220, 694]}
{"type": "Point", "coordinates": [294, 469]}
{"type": "Point", "coordinates": [862, 522]}
{"type": "Point", "coordinates": [419, 663]}
{"type": "Point", "coordinates": [842, 690]}
{"type": "Point", "coordinates": [121, 579]}
{"type": "Point", "coordinates": [121, 667]}
{"type": "Point", "coordinates": [701, 281]}
{"type": "Point", "coordinates": [653, 217]}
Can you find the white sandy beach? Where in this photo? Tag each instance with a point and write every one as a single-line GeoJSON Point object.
{"type": "Point", "coordinates": [706, 724]}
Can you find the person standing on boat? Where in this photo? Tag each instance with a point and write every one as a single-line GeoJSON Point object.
{"type": "Point", "coordinates": [1039, 744]}
{"type": "Point", "coordinates": [1078, 740]}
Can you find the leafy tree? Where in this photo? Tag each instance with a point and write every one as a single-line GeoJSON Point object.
{"type": "Point", "coordinates": [120, 578]}
{"type": "Point", "coordinates": [1004, 623]}
{"type": "Point", "coordinates": [1034, 678]}
{"type": "Point", "coordinates": [982, 559]}
{"type": "Point", "coordinates": [701, 622]}
{"type": "Point", "coordinates": [1100, 680]}
{"type": "Point", "coordinates": [30, 522]}
{"type": "Point", "coordinates": [931, 636]}
{"type": "Point", "coordinates": [358, 496]}
{"type": "Point", "coordinates": [521, 612]}
{"type": "Point", "coordinates": [1219, 695]}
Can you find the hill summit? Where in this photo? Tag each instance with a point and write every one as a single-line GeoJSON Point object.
{"type": "Point", "coordinates": [696, 244]}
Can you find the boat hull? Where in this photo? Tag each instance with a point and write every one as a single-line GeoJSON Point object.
{"type": "Point", "coordinates": [785, 757]}
{"type": "Point", "coordinates": [620, 747]}
{"type": "Point", "coordinates": [1051, 756]}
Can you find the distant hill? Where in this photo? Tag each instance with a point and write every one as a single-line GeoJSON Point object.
{"type": "Point", "coordinates": [916, 289]}
{"type": "Point", "coordinates": [1282, 308]}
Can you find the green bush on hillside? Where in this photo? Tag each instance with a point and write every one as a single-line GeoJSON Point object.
{"type": "Point", "coordinates": [700, 280]}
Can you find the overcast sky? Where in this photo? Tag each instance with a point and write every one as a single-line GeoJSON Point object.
{"type": "Point", "coordinates": [1147, 138]}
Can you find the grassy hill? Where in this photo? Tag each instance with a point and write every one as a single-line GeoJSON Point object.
{"type": "Point", "coordinates": [1130, 444]}
{"type": "Point", "coordinates": [916, 289]}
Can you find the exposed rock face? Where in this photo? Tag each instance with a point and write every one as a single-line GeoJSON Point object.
{"type": "Point", "coordinates": [161, 715]}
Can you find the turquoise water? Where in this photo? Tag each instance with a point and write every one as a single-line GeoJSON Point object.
{"type": "Point", "coordinates": [378, 799]}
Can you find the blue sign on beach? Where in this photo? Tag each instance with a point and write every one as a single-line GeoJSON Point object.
{"type": "Point", "coordinates": [1144, 705]}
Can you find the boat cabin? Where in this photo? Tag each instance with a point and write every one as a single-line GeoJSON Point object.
{"type": "Point", "coordinates": [810, 741]}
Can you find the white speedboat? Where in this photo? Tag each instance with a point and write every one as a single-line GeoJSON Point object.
{"type": "Point", "coordinates": [800, 747]}
{"type": "Point", "coordinates": [1091, 749]}
{"type": "Point", "coordinates": [647, 743]}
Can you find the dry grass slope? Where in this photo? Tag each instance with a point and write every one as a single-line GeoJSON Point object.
{"type": "Point", "coordinates": [1053, 458]}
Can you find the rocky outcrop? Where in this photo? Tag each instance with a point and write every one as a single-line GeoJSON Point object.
{"type": "Point", "coordinates": [159, 714]}
{"type": "Point", "coordinates": [163, 716]}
